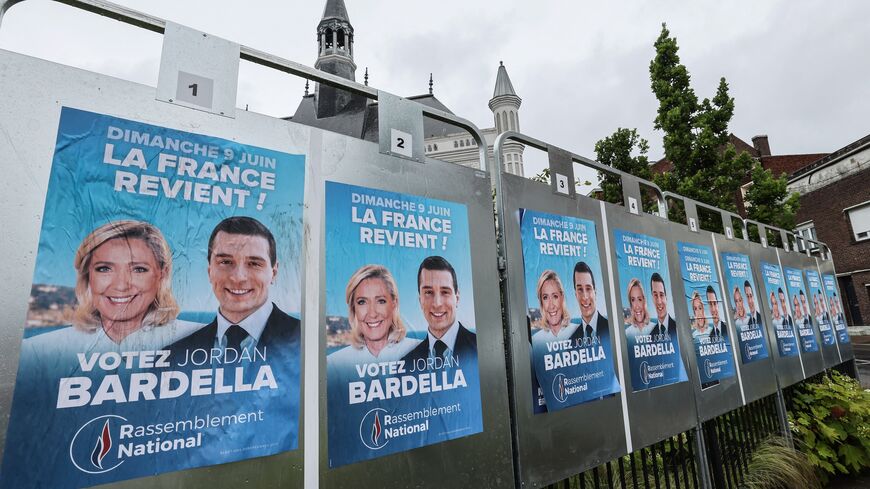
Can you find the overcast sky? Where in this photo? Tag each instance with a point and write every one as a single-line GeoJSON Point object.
{"type": "Point", "coordinates": [797, 69]}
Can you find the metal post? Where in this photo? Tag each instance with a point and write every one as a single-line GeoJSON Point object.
{"type": "Point", "coordinates": [782, 413]}
{"type": "Point", "coordinates": [701, 459]}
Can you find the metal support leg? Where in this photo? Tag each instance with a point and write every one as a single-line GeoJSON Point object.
{"type": "Point", "coordinates": [782, 411]}
{"type": "Point", "coordinates": [701, 459]}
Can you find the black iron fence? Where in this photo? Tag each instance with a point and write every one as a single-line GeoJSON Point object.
{"type": "Point", "coordinates": [728, 443]}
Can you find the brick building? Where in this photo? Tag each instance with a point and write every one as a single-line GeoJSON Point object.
{"type": "Point", "coordinates": [835, 209]}
{"type": "Point", "coordinates": [760, 150]}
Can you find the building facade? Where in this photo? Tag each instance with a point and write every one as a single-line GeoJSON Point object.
{"type": "Point", "coordinates": [337, 110]}
{"type": "Point", "coordinates": [835, 209]}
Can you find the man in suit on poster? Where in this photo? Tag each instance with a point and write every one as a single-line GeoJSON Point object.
{"type": "Point", "coordinates": [720, 330]}
{"type": "Point", "coordinates": [754, 313]}
{"type": "Point", "coordinates": [666, 323]}
{"type": "Point", "coordinates": [242, 265]}
{"type": "Point", "coordinates": [446, 337]}
{"type": "Point", "coordinates": [594, 328]}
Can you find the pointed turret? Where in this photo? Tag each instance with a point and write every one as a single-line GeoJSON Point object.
{"type": "Point", "coordinates": [335, 55]}
{"type": "Point", "coordinates": [505, 106]}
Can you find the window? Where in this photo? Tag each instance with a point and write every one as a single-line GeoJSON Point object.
{"type": "Point", "coordinates": [455, 144]}
{"type": "Point", "coordinates": [806, 230]}
{"type": "Point", "coordinates": [859, 218]}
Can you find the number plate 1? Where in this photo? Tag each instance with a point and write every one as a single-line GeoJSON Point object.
{"type": "Point", "coordinates": [198, 70]}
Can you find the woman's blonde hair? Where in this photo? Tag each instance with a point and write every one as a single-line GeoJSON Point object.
{"type": "Point", "coordinates": [397, 330]}
{"type": "Point", "coordinates": [697, 296]}
{"type": "Point", "coordinates": [636, 283]}
{"type": "Point", "coordinates": [164, 308]}
{"type": "Point", "coordinates": [566, 316]}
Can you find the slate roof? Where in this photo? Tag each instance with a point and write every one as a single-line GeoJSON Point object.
{"type": "Point", "coordinates": [335, 9]}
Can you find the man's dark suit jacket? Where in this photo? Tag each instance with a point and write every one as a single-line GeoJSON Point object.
{"type": "Point", "coordinates": [465, 348]}
{"type": "Point", "coordinates": [723, 330]}
{"type": "Point", "coordinates": [279, 340]}
{"type": "Point", "coordinates": [602, 329]}
{"type": "Point", "coordinates": [672, 328]}
{"type": "Point", "coordinates": [757, 318]}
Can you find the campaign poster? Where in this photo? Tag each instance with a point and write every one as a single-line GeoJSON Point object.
{"type": "Point", "coordinates": [820, 308]}
{"type": "Point", "coordinates": [710, 335]}
{"type": "Point", "coordinates": [801, 313]}
{"type": "Point", "coordinates": [648, 318]}
{"type": "Point", "coordinates": [401, 343]}
{"type": "Point", "coordinates": [783, 324]}
{"type": "Point", "coordinates": [835, 306]}
{"type": "Point", "coordinates": [153, 241]}
{"type": "Point", "coordinates": [748, 321]}
{"type": "Point", "coordinates": [572, 353]}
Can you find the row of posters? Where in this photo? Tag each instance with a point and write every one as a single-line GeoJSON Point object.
{"type": "Point", "coordinates": [571, 345]}
{"type": "Point", "coordinates": [164, 329]}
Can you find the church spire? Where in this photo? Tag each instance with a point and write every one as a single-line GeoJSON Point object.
{"type": "Point", "coordinates": [335, 41]}
{"type": "Point", "coordinates": [503, 85]}
{"type": "Point", "coordinates": [505, 106]}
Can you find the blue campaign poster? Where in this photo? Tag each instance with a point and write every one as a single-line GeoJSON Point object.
{"type": "Point", "coordinates": [572, 353]}
{"type": "Point", "coordinates": [709, 331]}
{"type": "Point", "coordinates": [801, 313]}
{"type": "Point", "coordinates": [748, 320]}
{"type": "Point", "coordinates": [820, 309]}
{"type": "Point", "coordinates": [650, 329]}
{"type": "Point", "coordinates": [783, 323]}
{"type": "Point", "coordinates": [836, 309]}
{"type": "Point", "coordinates": [401, 337]}
{"type": "Point", "coordinates": [154, 242]}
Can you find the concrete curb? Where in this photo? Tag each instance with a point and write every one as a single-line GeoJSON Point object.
{"type": "Point", "coordinates": [859, 330]}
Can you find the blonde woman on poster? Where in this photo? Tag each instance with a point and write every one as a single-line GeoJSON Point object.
{"type": "Point", "coordinates": [377, 332]}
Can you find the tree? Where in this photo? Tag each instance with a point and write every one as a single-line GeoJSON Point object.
{"type": "Point", "coordinates": [769, 201]}
{"type": "Point", "coordinates": [616, 152]}
{"type": "Point", "coordinates": [706, 167]}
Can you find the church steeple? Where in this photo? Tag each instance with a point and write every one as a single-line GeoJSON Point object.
{"type": "Point", "coordinates": [335, 41]}
{"type": "Point", "coordinates": [335, 55]}
{"type": "Point", "coordinates": [505, 107]}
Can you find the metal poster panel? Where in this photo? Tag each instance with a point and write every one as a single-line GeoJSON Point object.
{"type": "Point", "coordinates": [745, 311]}
{"type": "Point", "coordinates": [399, 252]}
{"type": "Point", "coordinates": [746, 308]}
{"type": "Point", "coordinates": [796, 309]}
{"type": "Point", "coordinates": [163, 331]}
{"type": "Point", "coordinates": [572, 353]}
{"type": "Point", "coordinates": [650, 328]}
{"type": "Point", "coordinates": [539, 431]}
{"type": "Point", "coordinates": [402, 367]}
{"type": "Point", "coordinates": [783, 322]}
{"type": "Point", "coordinates": [710, 337]}
{"type": "Point", "coordinates": [835, 309]}
{"type": "Point", "coordinates": [817, 309]}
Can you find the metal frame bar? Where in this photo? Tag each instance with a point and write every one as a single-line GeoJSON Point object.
{"type": "Point", "coordinates": [158, 25]}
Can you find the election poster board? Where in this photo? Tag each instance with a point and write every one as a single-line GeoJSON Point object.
{"type": "Point", "coordinates": [572, 352]}
{"type": "Point", "coordinates": [783, 324]}
{"type": "Point", "coordinates": [820, 308]}
{"type": "Point", "coordinates": [710, 335]}
{"type": "Point", "coordinates": [648, 318]}
{"type": "Point", "coordinates": [835, 306]}
{"type": "Point", "coordinates": [745, 306]}
{"type": "Point", "coordinates": [124, 369]}
{"type": "Point", "coordinates": [401, 345]}
{"type": "Point", "coordinates": [799, 309]}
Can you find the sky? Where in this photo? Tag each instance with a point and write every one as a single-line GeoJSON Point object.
{"type": "Point", "coordinates": [794, 67]}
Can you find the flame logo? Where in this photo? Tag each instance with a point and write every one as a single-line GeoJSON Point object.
{"type": "Point", "coordinates": [376, 430]}
{"type": "Point", "coordinates": [101, 449]}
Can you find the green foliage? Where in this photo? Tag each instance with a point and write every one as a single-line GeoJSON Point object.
{"type": "Point", "coordinates": [776, 465]}
{"type": "Point", "coordinates": [616, 152]}
{"type": "Point", "coordinates": [830, 421]}
{"type": "Point", "coordinates": [769, 200]}
{"type": "Point", "coordinates": [544, 177]}
{"type": "Point", "coordinates": [706, 167]}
